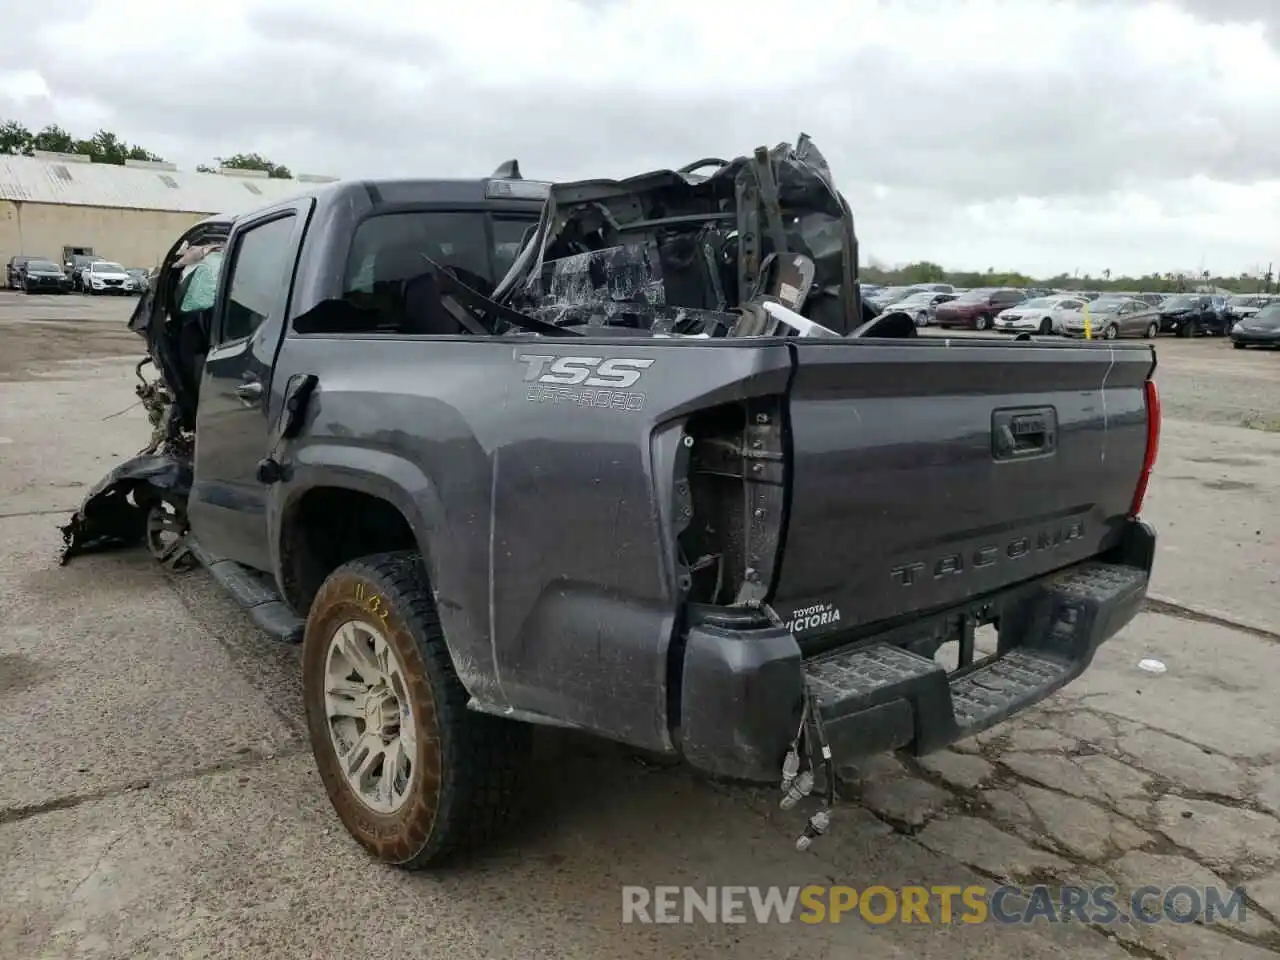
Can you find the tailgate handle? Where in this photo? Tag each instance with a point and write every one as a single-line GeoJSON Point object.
{"type": "Point", "coordinates": [1016, 434]}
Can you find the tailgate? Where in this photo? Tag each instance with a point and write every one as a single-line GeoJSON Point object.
{"type": "Point", "coordinates": [928, 471]}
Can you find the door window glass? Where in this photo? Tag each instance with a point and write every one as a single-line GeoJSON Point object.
{"type": "Point", "coordinates": [262, 262]}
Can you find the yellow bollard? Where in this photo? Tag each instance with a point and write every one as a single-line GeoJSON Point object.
{"type": "Point", "coordinates": [1088, 324]}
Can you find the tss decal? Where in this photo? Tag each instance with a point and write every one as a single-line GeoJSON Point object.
{"type": "Point", "coordinates": [584, 381]}
{"type": "Point", "coordinates": [617, 373]}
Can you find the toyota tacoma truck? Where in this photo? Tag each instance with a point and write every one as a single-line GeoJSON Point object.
{"type": "Point", "coordinates": [628, 457]}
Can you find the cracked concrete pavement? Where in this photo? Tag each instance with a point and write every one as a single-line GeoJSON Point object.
{"type": "Point", "coordinates": [158, 799]}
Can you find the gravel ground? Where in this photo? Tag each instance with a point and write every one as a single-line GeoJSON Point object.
{"type": "Point", "coordinates": [158, 799]}
{"type": "Point", "coordinates": [40, 331]}
{"type": "Point", "coordinates": [1209, 381]}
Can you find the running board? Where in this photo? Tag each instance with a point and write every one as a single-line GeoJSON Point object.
{"type": "Point", "coordinates": [883, 697]}
{"type": "Point", "coordinates": [255, 592]}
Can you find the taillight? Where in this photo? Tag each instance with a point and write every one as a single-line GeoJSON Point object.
{"type": "Point", "coordinates": [1153, 447]}
{"type": "Point", "coordinates": [735, 475]}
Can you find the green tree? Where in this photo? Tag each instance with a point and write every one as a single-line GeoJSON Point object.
{"type": "Point", "coordinates": [15, 138]}
{"type": "Point", "coordinates": [53, 137]}
{"type": "Point", "coordinates": [249, 161]}
{"type": "Point", "coordinates": [103, 147]}
{"type": "Point", "coordinates": [923, 272]}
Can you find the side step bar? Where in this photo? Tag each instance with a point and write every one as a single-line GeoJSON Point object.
{"type": "Point", "coordinates": [881, 697]}
{"type": "Point", "coordinates": [255, 592]}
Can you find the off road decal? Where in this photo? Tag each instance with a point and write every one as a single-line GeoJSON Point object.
{"type": "Point", "coordinates": [584, 381]}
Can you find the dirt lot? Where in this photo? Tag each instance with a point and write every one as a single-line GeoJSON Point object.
{"type": "Point", "coordinates": [157, 796]}
{"type": "Point", "coordinates": [38, 332]}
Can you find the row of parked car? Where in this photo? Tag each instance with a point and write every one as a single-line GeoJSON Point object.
{"type": "Point", "coordinates": [1081, 313]}
{"type": "Point", "coordinates": [80, 274]}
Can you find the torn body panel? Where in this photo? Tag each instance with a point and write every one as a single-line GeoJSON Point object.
{"type": "Point", "coordinates": [680, 252]}
{"type": "Point", "coordinates": [115, 512]}
{"type": "Point", "coordinates": [172, 318]}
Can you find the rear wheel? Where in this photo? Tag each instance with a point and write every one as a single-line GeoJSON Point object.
{"type": "Point", "coordinates": [1152, 329]}
{"type": "Point", "coordinates": [413, 774]}
{"type": "Point", "coordinates": [983, 322]}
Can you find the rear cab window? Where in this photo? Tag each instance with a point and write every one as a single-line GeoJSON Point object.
{"type": "Point", "coordinates": [391, 250]}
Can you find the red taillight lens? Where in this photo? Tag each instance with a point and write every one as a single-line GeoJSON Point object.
{"type": "Point", "coordinates": [1153, 447]}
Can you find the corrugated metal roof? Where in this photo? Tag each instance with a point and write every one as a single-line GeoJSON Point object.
{"type": "Point", "coordinates": [39, 180]}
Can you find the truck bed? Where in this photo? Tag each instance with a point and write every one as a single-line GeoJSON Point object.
{"type": "Point", "coordinates": [574, 523]}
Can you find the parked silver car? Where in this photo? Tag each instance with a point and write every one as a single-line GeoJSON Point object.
{"type": "Point", "coordinates": [1108, 319]}
{"type": "Point", "coordinates": [1042, 315]}
{"type": "Point", "coordinates": [922, 305]}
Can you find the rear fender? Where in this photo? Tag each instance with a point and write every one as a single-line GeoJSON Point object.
{"type": "Point", "coordinates": [405, 486]}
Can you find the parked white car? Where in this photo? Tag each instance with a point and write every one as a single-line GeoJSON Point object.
{"type": "Point", "coordinates": [103, 276]}
{"type": "Point", "coordinates": [1043, 315]}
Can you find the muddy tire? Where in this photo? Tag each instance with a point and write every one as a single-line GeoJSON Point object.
{"type": "Point", "coordinates": [429, 779]}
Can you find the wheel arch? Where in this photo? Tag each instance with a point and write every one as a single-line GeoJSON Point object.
{"type": "Point", "coordinates": [328, 488]}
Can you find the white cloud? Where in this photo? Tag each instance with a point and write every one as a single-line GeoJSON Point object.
{"type": "Point", "coordinates": [1041, 135]}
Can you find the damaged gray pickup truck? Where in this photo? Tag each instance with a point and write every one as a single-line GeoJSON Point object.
{"type": "Point", "coordinates": [628, 457]}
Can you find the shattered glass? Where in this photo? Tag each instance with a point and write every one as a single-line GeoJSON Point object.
{"type": "Point", "coordinates": [201, 280]}
{"type": "Point", "coordinates": [675, 250]}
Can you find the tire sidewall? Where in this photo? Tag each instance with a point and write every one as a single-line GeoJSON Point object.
{"type": "Point", "coordinates": [983, 322]}
{"type": "Point", "coordinates": [1111, 332]}
{"type": "Point", "coordinates": [355, 593]}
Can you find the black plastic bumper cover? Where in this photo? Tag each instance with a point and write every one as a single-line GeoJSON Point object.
{"type": "Point", "coordinates": [114, 512]}
{"type": "Point", "coordinates": [741, 692]}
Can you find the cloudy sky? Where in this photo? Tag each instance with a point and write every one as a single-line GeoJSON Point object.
{"type": "Point", "coordinates": [1041, 135]}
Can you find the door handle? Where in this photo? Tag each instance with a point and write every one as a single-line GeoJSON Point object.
{"type": "Point", "coordinates": [249, 391]}
{"type": "Point", "coordinates": [1023, 433]}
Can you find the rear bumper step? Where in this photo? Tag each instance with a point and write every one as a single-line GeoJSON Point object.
{"type": "Point", "coordinates": [886, 698]}
{"type": "Point", "coordinates": [741, 699]}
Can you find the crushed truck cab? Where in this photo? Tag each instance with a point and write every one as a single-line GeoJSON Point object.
{"type": "Point", "coordinates": [628, 457]}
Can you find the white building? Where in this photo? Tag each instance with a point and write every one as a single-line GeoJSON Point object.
{"type": "Point", "coordinates": [54, 204]}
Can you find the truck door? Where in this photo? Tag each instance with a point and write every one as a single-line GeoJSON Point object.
{"type": "Point", "coordinates": [227, 507]}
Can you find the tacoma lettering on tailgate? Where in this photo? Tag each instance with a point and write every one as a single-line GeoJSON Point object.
{"type": "Point", "coordinates": [958, 563]}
